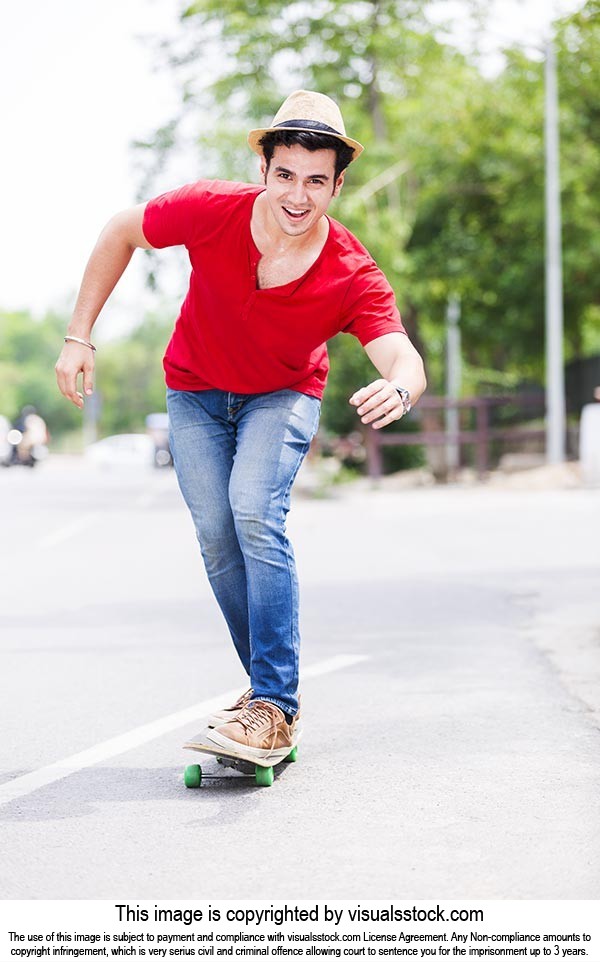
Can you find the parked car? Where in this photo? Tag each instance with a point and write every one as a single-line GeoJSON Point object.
{"type": "Point", "coordinates": [122, 450]}
{"type": "Point", "coordinates": [157, 425]}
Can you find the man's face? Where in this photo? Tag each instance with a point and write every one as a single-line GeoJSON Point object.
{"type": "Point", "coordinates": [300, 186]}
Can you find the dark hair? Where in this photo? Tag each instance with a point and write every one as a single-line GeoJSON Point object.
{"type": "Point", "coordinates": [310, 140]}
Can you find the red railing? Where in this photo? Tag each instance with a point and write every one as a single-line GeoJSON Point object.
{"type": "Point", "coordinates": [481, 435]}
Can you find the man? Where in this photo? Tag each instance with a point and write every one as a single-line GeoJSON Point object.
{"type": "Point", "coordinates": [273, 278]}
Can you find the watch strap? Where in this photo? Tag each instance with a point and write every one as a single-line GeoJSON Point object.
{"type": "Point", "coordinates": [405, 398]}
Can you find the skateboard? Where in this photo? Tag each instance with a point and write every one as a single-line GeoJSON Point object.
{"type": "Point", "coordinates": [263, 771]}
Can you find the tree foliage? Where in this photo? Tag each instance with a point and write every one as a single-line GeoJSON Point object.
{"type": "Point", "coordinates": [129, 379]}
{"type": "Point", "coordinates": [28, 352]}
{"type": "Point", "coordinates": [578, 40]}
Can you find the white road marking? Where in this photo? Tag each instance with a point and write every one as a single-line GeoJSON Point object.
{"type": "Point", "coordinates": [67, 531]}
{"type": "Point", "coordinates": [25, 784]}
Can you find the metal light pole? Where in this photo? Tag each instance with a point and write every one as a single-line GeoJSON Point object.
{"type": "Point", "coordinates": [453, 381]}
{"type": "Point", "coordinates": [555, 379]}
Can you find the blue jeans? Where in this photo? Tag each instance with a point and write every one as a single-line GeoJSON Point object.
{"type": "Point", "coordinates": [236, 457]}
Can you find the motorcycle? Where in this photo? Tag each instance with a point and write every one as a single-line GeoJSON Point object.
{"type": "Point", "coordinates": [23, 453]}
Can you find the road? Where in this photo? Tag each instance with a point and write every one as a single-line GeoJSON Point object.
{"type": "Point", "coordinates": [451, 697]}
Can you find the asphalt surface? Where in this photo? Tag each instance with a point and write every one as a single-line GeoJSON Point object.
{"type": "Point", "coordinates": [455, 753]}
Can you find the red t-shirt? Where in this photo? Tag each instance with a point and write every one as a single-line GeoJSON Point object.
{"type": "Point", "coordinates": [234, 336]}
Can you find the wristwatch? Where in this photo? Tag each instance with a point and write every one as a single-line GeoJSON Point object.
{"type": "Point", "coordinates": [405, 398]}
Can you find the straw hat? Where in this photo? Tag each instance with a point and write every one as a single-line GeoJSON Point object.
{"type": "Point", "coordinates": [306, 110]}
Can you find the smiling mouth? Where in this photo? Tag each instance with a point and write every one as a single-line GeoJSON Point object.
{"type": "Point", "coordinates": [296, 214]}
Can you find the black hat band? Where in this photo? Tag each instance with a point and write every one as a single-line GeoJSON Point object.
{"type": "Point", "coordinates": [310, 125]}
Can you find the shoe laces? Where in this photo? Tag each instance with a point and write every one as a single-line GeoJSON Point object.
{"type": "Point", "coordinates": [256, 714]}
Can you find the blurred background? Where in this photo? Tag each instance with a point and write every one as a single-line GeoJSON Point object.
{"type": "Point", "coordinates": [113, 103]}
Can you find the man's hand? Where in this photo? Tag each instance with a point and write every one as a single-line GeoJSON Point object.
{"type": "Point", "coordinates": [378, 403]}
{"type": "Point", "coordinates": [75, 359]}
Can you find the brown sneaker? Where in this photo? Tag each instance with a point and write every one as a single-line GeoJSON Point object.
{"type": "Point", "coordinates": [260, 733]}
{"type": "Point", "coordinates": [230, 714]}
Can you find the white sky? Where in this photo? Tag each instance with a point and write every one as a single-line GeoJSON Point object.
{"type": "Point", "coordinates": [77, 87]}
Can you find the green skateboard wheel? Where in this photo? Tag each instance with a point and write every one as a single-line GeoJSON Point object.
{"type": "Point", "coordinates": [264, 776]}
{"type": "Point", "coordinates": [192, 776]}
{"type": "Point", "coordinates": [293, 755]}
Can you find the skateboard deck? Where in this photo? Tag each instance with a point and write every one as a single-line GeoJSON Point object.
{"type": "Point", "coordinates": [262, 770]}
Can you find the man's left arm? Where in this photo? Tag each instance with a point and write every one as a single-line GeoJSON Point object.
{"type": "Point", "coordinates": [400, 366]}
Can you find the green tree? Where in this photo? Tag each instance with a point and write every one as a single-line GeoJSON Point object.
{"type": "Point", "coordinates": [29, 348]}
{"type": "Point", "coordinates": [578, 45]}
{"type": "Point", "coordinates": [130, 378]}
{"type": "Point", "coordinates": [479, 229]}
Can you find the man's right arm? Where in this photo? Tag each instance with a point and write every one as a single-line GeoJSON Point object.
{"type": "Point", "coordinates": [111, 255]}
